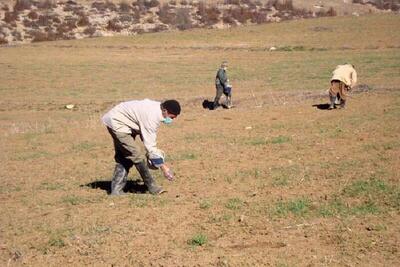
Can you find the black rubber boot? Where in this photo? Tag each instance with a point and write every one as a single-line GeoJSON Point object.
{"type": "Point", "coordinates": [148, 179]}
{"type": "Point", "coordinates": [332, 102]}
{"type": "Point", "coordinates": [119, 180]}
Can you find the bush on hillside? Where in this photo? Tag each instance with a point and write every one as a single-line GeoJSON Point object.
{"type": "Point", "coordinates": [232, 2]}
{"type": "Point", "coordinates": [151, 3]}
{"type": "Point", "coordinates": [21, 5]}
{"type": "Point", "coordinates": [124, 7]}
{"type": "Point", "coordinates": [3, 41]}
{"type": "Point", "coordinates": [114, 25]}
{"type": "Point", "coordinates": [46, 4]}
{"type": "Point", "coordinates": [83, 20]}
{"type": "Point", "coordinates": [329, 13]}
{"type": "Point", "coordinates": [166, 15]}
{"type": "Point", "coordinates": [10, 17]}
{"type": "Point", "coordinates": [103, 6]}
{"type": "Point", "coordinates": [209, 15]}
{"type": "Point", "coordinates": [33, 15]}
{"type": "Point", "coordinates": [183, 19]}
{"type": "Point", "coordinates": [90, 30]}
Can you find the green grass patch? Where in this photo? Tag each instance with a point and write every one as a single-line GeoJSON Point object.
{"type": "Point", "coordinates": [234, 204]}
{"type": "Point", "coordinates": [366, 187]}
{"type": "Point", "coordinates": [368, 207]}
{"type": "Point", "coordinates": [198, 240]}
{"type": "Point", "coordinates": [257, 141]}
{"type": "Point", "coordinates": [56, 241]}
{"type": "Point", "coordinates": [31, 155]}
{"type": "Point", "coordinates": [73, 200]}
{"type": "Point", "coordinates": [290, 48]}
{"type": "Point", "coordinates": [205, 204]}
{"type": "Point", "coordinates": [84, 146]}
{"type": "Point", "coordinates": [297, 207]}
{"type": "Point", "coordinates": [280, 139]}
{"type": "Point", "coordinates": [333, 208]}
{"type": "Point", "coordinates": [51, 186]}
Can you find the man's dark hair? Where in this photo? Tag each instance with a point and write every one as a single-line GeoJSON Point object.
{"type": "Point", "coordinates": [172, 106]}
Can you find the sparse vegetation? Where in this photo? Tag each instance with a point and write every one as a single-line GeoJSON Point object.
{"type": "Point", "coordinates": [234, 204]}
{"type": "Point", "coordinates": [297, 207]}
{"type": "Point", "coordinates": [198, 240]}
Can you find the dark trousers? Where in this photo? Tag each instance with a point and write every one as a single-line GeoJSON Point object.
{"type": "Point", "coordinates": [220, 91]}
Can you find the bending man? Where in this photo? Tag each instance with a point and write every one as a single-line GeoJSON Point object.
{"type": "Point", "coordinates": [343, 79]}
{"type": "Point", "coordinates": [126, 122]}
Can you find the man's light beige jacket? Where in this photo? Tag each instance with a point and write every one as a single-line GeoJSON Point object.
{"type": "Point", "coordinates": [346, 74]}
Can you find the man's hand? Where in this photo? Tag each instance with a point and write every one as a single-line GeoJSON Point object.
{"type": "Point", "coordinates": [167, 172]}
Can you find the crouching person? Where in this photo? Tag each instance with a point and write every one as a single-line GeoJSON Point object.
{"type": "Point", "coordinates": [130, 121]}
{"type": "Point", "coordinates": [343, 79]}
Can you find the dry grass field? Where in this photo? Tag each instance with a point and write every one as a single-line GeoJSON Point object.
{"type": "Point", "coordinates": [275, 181]}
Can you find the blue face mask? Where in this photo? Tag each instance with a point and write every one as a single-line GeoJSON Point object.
{"type": "Point", "coordinates": [167, 120]}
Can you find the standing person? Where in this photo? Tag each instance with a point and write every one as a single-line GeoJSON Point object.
{"type": "Point", "coordinates": [343, 79]}
{"type": "Point", "coordinates": [222, 86]}
{"type": "Point", "coordinates": [125, 122]}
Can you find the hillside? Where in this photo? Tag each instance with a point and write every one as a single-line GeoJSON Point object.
{"type": "Point", "coordinates": [25, 21]}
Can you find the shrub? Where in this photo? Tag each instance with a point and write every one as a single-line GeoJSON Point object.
{"type": "Point", "coordinates": [56, 20]}
{"type": "Point", "coordinates": [232, 2]}
{"type": "Point", "coordinates": [44, 20]}
{"type": "Point", "coordinates": [329, 13]}
{"type": "Point", "coordinates": [208, 15]}
{"type": "Point", "coordinates": [166, 16]}
{"type": "Point", "coordinates": [284, 5]}
{"type": "Point", "coordinates": [5, 8]}
{"type": "Point", "coordinates": [38, 36]}
{"type": "Point", "coordinates": [140, 6]}
{"type": "Point", "coordinates": [183, 19]}
{"type": "Point", "coordinates": [3, 41]}
{"type": "Point", "coordinates": [114, 25]}
{"type": "Point", "coordinates": [126, 18]}
{"type": "Point", "coordinates": [76, 9]}
{"type": "Point", "coordinates": [10, 16]}
{"type": "Point", "coordinates": [83, 21]}
{"type": "Point", "coordinates": [103, 6]}
{"type": "Point", "coordinates": [66, 27]}
{"type": "Point", "coordinates": [17, 35]}
{"type": "Point", "coordinates": [22, 5]}
{"type": "Point", "coordinates": [241, 14]}
{"type": "Point", "coordinates": [151, 3]}
{"type": "Point", "coordinates": [46, 4]}
{"type": "Point", "coordinates": [124, 7]}
{"type": "Point", "coordinates": [33, 15]}
{"type": "Point", "coordinates": [259, 17]}
{"type": "Point", "coordinates": [160, 28]}
{"type": "Point", "coordinates": [227, 18]}
{"type": "Point", "coordinates": [90, 30]}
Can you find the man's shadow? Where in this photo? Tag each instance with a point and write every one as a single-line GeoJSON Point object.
{"type": "Point", "coordinates": [322, 106]}
{"type": "Point", "coordinates": [208, 104]}
{"type": "Point", "coordinates": [132, 186]}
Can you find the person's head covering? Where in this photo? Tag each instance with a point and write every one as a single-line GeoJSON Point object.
{"type": "Point", "coordinates": [172, 106]}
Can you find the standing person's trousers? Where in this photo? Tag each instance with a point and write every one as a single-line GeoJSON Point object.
{"type": "Point", "coordinates": [220, 91]}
